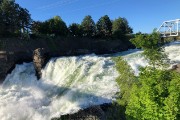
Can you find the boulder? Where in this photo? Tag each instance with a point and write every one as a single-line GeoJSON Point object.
{"type": "Point", "coordinates": [40, 58]}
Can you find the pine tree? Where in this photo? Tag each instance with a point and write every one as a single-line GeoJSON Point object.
{"type": "Point", "coordinates": [88, 26]}
{"type": "Point", "coordinates": [121, 26]}
{"type": "Point", "coordinates": [104, 26]}
{"type": "Point", "coordinates": [75, 29]}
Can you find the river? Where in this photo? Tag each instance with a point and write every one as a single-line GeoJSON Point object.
{"type": "Point", "coordinates": [68, 84]}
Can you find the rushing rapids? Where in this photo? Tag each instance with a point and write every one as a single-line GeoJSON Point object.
{"type": "Point", "coordinates": [68, 84]}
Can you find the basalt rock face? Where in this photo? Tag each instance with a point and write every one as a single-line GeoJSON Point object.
{"type": "Point", "coordinates": [40, 58]}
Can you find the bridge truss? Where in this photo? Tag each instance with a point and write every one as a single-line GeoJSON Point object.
{"type": "Point", "coordinates": [170, 28]}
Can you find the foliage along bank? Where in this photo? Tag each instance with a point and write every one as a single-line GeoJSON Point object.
{"type": "Point", "coordinates": [155, 93]}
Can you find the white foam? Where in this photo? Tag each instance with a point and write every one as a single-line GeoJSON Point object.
{"type": "Point", "coordinates": [173, 52]}
{"type": "Point", "coordinates": [135, 58]}
{"type": "Point", "coordinates": [68, 84]}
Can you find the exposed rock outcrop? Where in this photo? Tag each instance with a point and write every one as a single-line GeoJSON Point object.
{"type": "Point", "coordinates": [176, 67]}
{"type": "Point", "coordinates": [40, 58]}
{"type": "Point", "coordinates": [92, 113]}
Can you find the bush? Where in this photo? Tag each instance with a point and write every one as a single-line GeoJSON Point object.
{"type": "Point", "coordinates": [157, 97]}
{"type": "Point", "coordinates": [153, 50]}
{"type": "Point", "coordinates": [125, 81]}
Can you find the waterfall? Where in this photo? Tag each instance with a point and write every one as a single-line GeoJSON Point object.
{"type": "Point", "coordinates": [68, 84]}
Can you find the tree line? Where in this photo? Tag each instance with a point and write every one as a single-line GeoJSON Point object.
{"type": "Point", "coordinates": [16, 21]}
{"type": "Point", "coordinates": [88, 28]}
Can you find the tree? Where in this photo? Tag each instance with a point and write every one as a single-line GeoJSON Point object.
{"type": "Point", "coordinates": [13, 18]}
{"type": "Point", "coordinates": [121, 26]}
{"type": "Point", "coordinates": [54, 26]}
{"type": "Point", "coordinates": [39, 27]}
{"type": "Point", "coordinates": [88, 26]}
{"type": "Point", "coordinates": [24, 19]}
{"type": "Point", "coordinates": [157, 93]}
{"type": "Point", "coordinates": [157, 97]}
{"type": "Point", "coordinates": [152, 49]}
{"type": "Point", "coordinates": [36, 26]}
{"type": "Point", "coordinates": [104, 26]}
{"type": "Point", "coordinates": [75, 29]}
{"type": "Point", "coordinates": [57, 26]}
{"type": "Point", "coordinates": [1, 20]}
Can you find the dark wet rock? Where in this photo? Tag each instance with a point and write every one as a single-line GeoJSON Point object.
{"type": "Point", "coordinates": [176, 67]}
{"type": "Point", "coordinates": [3, 59]}
{"type": "Point", "coordinates": [8, 61]}
{"type": "Point", "coordinates": [40, 58]}
{"type": "Point", "coordinates": [92, 113]}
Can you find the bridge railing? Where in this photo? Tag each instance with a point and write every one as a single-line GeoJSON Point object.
{"type": "Point", "coordinates": [170, 28]}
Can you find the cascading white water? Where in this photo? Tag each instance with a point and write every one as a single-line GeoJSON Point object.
{"type": "Point", "coordinates": [67, 85]}
{"type": "Point", "coordinates": [173, 52]}
{"type": "Point", "coordinates": [135, 58]}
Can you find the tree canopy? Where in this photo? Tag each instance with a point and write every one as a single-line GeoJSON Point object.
{"type": "Point", "coordinates": [13, 18]}
{"type": "Point", "coordinates": [75, 29]}
{"type": "Point", "coordinates": [104, 26]}
{"type": "Point", "coordinates": [88, 26]}
{"type": "Point", "coordinates": [57, 26]}
{"type": "Point", "coordinates": [54, 26]}
{"type": "Point", "coordinates": [157, 97]}
{"type": "Point", "coordinates": [153, 50]}
{"type": "Point", "coordinates": [155, 93]}
{"type": "Point", "coordinates": [121, 27]}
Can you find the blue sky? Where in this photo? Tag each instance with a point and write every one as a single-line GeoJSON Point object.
{"type": "Point", "coordinates": [143, 15]}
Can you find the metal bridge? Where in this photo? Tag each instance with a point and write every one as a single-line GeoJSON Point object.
{"type": "Point", "coordinates": [170, 28]}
